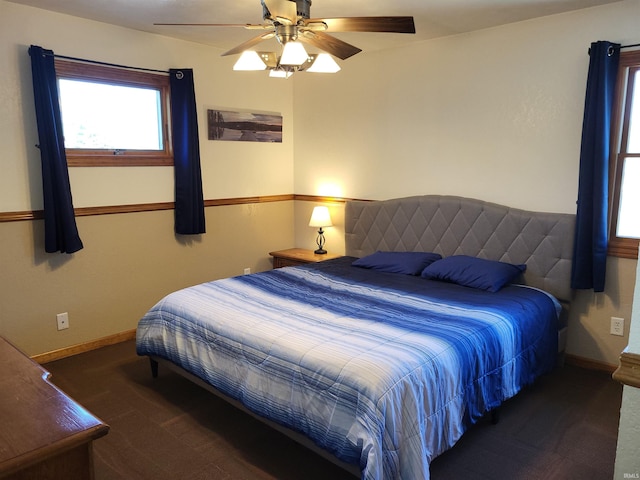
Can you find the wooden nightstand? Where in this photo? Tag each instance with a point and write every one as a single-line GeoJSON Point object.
{"type": "Point", "coordinates": [298, 256]}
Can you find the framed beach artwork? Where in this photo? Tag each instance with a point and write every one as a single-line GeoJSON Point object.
{"type": "Point", "coordinates": [244, 126]}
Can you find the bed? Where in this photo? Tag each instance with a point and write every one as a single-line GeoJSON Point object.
{"type": "Point", "coordinates": [442, 308]}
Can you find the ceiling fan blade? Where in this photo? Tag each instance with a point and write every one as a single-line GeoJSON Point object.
{"type": "Point", "coordinates": [282, 9]}
{"type": "Point", "coordinates": [248, 26]}
{"type": "Point", "coordinates": [249, 43]}
{"type": "Point", "coordinates": [368, 24]}
{"type": "Point", "coordinates": [329, 44]}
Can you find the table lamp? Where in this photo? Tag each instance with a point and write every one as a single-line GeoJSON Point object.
{"type": "Point", "coordinates": [320, 218]}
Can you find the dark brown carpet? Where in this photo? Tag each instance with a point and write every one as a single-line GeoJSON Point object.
{"type": "Point", "coordinates": [564, 426]}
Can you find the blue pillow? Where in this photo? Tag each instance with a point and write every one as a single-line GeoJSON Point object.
{"type": "Point", "coordinates": [408, 263]}
{"type": "Point", "coordinates": [473, 272]}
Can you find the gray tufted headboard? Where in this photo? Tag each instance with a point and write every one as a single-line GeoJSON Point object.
{"type": "Point", "coordinates": [461, 226]}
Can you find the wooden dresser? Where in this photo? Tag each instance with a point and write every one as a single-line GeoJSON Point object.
{"type": "Point", "coordinates": [44, 434]}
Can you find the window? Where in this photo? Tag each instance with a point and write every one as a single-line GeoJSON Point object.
{"type": "Point", "coordinates": [113, 116]}
{"type": "Point", "coordinates": [624, 234]}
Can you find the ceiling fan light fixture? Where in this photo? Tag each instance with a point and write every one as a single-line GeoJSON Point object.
{"type": "Point", "coordinates": [293, 53]}
{"type": "Point", "coordinates": [324, 63]}
{"type": "Point", "coordinates": [250, 61]}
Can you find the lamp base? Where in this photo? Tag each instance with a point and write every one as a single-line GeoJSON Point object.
{"type": "Point", "coordinates": [320, 243]}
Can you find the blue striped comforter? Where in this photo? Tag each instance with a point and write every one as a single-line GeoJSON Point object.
{"type": "Point", "coordinates": [385, 371]}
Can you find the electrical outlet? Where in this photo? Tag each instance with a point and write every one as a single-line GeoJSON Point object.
{"type": "Point", "coordinates": [63, 320]}
{"type": "Point", "coordinates": [617, 326]}
{"type": "Point", "coordinates": [247, 271]}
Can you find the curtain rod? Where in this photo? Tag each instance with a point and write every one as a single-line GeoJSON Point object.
{"type": "Point", "coordinates": [611, 48]}
{"type": "Point", "coordinates": [108, 64]}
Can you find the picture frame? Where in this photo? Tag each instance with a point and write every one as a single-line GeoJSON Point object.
{"type": "Point", "coordinates": [244, 126]}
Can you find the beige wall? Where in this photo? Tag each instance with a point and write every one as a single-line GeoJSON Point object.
{"type": "Point", "coordinates": [130, 260]}
{"type": "Point", "coordinates": [230, 169]}
{"type": "Point", "coordinates": [494, 114]}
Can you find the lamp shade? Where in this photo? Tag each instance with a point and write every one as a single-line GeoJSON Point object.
{"type": "Point", "coordinates": [320, 217]}
{"type": "Point", "coordinates": [324, 63]}
{"type": "Point", "coordinates": [249, 61]}
{"type": "Point", "coordinates": [280, 73]}
{"type": "Point", "coordinates": [293, 53]}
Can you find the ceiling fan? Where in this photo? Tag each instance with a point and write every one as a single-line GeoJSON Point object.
{"type": "Point", "coordinates": [289, 21]}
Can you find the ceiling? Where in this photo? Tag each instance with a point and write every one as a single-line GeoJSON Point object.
{"type": "Point", "coordinates": [433, 18]}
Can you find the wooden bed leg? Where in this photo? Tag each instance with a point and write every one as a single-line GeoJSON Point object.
{"type": "Point", "coordinates": [154, 368]}
{"type": "Point", "coordinates": [495, 416]}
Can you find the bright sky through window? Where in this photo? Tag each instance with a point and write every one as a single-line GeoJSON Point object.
{"type": "Point", "coordinates": [634, 120]}
{"type": "Point", "coordinates": [114, 117]}
{"type": "Point", "coordinates": [628, 215]}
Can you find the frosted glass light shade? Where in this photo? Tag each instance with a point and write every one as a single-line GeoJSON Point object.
{"type": "Point", "coordinates": [293, 53]}
{"type": "Point", "coordinates": [324, 63]}
{"type": "Point", "coordinates": [250, 61]}
{"type": "Point", "coordinates": [275, 73]}
{"type": "Point", "coordinates": [320, 217]}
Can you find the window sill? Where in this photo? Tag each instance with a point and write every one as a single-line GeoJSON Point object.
{"type": "Point", "coordinates": [118, 161]}
{"type": "Point", "coordinates": [623, 248]}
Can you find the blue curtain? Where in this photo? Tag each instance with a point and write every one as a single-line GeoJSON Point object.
{"type": "Point", "coordinates": [189, 204]}
{"type": "Point", "coordinates": [591, 237]}
{"type": "Point", "coordinates": [60, 230]}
